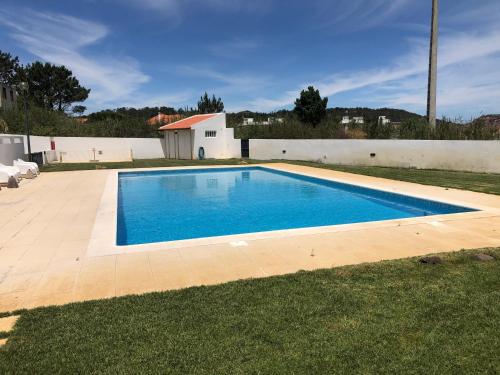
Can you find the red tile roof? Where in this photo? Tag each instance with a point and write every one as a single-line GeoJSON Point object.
{"type": "Point", "coordinates": [187, 123]}
{"type": "Point", "coordinates": [162, 119]}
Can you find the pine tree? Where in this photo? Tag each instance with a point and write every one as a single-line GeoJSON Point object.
{"type": "Point", "coordinates": [310, 107]}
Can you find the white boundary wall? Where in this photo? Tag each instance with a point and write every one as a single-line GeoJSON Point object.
{"type": "Point", "coordinates": [84, 149]}
{"type": "Point", "coordinates": [474, 156]}
{"type": "Point", "coordinates": [81, 149]}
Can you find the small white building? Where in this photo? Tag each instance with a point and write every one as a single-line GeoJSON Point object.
{"type": "Point", "coordinates": [201, 137]}
{"type": "Point", "coordinates": [346, 120]}
{"type": "Point", "coordinates": [383, 120]}
{"type": "Point", "coordinates": [269, 121]}
{"type": "Point", "coordinates": [248, 121]}
{"type": "Point", "coordinates": [8, 97]}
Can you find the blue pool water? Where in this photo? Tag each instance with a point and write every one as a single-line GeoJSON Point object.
{"type": "Point", "coordinates": [175, 205]}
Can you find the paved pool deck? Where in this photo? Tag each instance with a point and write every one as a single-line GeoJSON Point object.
{"type": "Point", "coordinates": [48, 224]}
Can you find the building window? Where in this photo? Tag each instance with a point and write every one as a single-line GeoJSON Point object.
{"type": "Point", "coordinates": [210, 133]}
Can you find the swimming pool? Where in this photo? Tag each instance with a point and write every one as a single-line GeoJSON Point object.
{"type": "Point", "coordinates": [162, 206]}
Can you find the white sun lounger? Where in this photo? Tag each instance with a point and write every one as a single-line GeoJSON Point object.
{"type": "Point", "coordinates": [4, 177]}
{"type": "Point", "coordinates": [6, 172]}
{"type": "Point", "coordinates": [27, 170]}
{"type": "Point", "coordinates": [34, 166]}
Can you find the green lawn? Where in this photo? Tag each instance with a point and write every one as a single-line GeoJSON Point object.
{"type": "Point", "coordinates": [147, 163]}
{"type": "Point", "coordinates": [389, 317]}
{"type": "Point", "coordinates": [481, 182]}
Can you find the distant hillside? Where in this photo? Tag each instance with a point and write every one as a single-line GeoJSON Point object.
{"type": "Point", "coordinates": [370, 114]}
{"type": "Point", "coordinates": [489, 120]}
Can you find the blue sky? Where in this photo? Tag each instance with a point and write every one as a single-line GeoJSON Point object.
{"type": "Point", "coordinates": [258, 54]}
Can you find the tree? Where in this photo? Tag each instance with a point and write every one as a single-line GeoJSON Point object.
{"type": "Point", "coordinates": [78, 109]}
{"type": "Point", "coordinates": [207, 105]}
{"type": "Point", "coordinates": [9, 69]}
{"type": "Point", "coordinates": [54, 87]}
{"type": "Point", "coordinates": [310, 107]}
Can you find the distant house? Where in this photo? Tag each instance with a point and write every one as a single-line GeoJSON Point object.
{"type": "Point", "coordinates": [269, 121]}
{"type": "Point", "coordinates": [346, 120]}
{"type": "Point", "coordinates": [383, 120]}
{"type": "Point", "coordinates": [162, 119]}
{"type": "Point", "coordinates": [8, 97]}
{"type": "Point", "coordinates": [248, 121]}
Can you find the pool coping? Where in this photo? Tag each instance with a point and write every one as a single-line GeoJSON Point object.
{"type": "Point", "coordinates": [103, 237]}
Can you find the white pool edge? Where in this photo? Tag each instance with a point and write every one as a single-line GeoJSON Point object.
{"type": "Point", "coordinates": [103, 238]}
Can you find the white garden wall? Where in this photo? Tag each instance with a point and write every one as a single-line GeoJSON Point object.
{"type": "Point", "coordinates": [82, 149]}
{"type": "Point", "coordinates": [476, 156]}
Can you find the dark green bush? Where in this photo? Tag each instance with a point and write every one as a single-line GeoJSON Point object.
{"type": "Point", "coordinates": [46, 122]}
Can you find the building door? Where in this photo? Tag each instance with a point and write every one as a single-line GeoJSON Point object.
{"type": "Point", "coordinates": [178, 144]}
{"type": "Point", "coordinates": [245, 148]}
{"type": "Point", "coordinates": [184, 144]}
{"type": "Point", "coordinates": [170, 144]}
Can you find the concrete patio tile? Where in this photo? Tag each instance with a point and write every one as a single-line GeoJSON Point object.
{"type": "Point", "coordinates": [7, 323]}
{"type": "Point", "coordinates": [59, 278]}
{"type": "Point", "coordinates": [51, 218]}
{"type": "Point", "coordinates": [80, 231]}
{"type": "Point", "coordinates": [237, 263]}
{"type": "Point", "coordinates": [270, 259]}
{"type": "Point", "coordinates": [489, 228]}
{"type": "Point", "coordinates": [208, 271]}
{"type": "Point", "coordinates": [28, 237]}
{"type": "Point", "coordinates": [96, 278]}
{"type": "Point", "coordinates": [10, 255]}
{"type": "Point", "coordinates": [169, 270]}
{"type": "Point", "coordinates": [70, 250]}
{"type": "Point", "coordinates": [30, 266]}
{"type": "Point", "coordinates": [19, 283]}
{"type": "Point", "coordinates": [133, 274]}
{"type": "Point", "coordinates": [57, 299]}
{"type": "Point", "coordinates": [12, 301]}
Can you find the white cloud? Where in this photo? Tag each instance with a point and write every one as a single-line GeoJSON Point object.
{"type": "Point", "coordinates": [141, 100]}
{"type": "Point", "coordinates": [234, 48]}
{"type": "Point", "coordinates": [469, 79]}
{"type": "Point", "coordinates": [62, 39]}
{"type": "Point", "coordinates": [349, 15]}
{"type": "Point", "coordinates": [242, 82]}
{"type": "Point", "coordinates": [177, 8]}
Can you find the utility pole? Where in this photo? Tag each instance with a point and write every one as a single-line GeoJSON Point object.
{"type": "Point", "coordinates": [432, 84]}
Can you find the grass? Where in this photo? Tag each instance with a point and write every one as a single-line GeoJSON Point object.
{"type": "Point", "coordinates": [146, 163]}
{"type": "Point", "coordinates": [480, 182]}
{"type": "Point", "coordinates": [389, 317]}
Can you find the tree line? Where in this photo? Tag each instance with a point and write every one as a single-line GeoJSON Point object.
{"type": "Point", "coordinates": [55, 96]}
{"type": "Point", "coordinates": [54, 93]}
{"type": "Point", "coordinates": [49, 86]}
